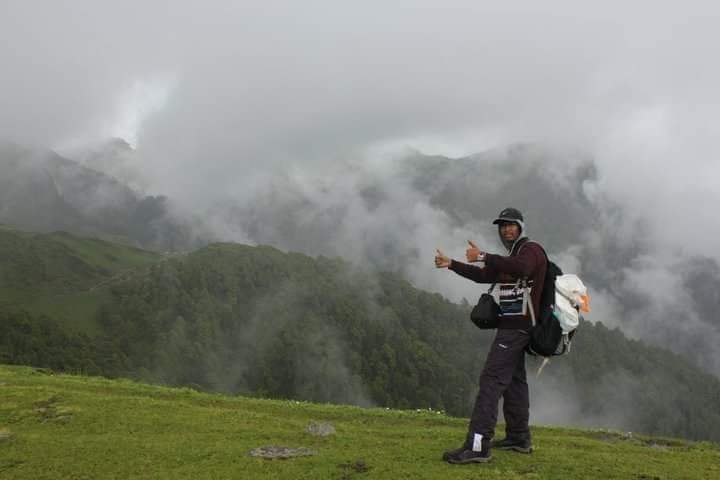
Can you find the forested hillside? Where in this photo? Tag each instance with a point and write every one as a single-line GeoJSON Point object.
{"type": "Point", "coordinates": [257, 321]}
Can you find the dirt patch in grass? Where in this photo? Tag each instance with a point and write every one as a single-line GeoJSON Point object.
{"type": "Point", "coordinates": [49, 410]}
{"type": "Point", "coordinates": [271, 452]}
{"type": "Point", "coordinates": [8, 464]}
{"type": "Point", "coordinates": [350, 469]}
{"type": "Point", "coordinates": [628, 437]}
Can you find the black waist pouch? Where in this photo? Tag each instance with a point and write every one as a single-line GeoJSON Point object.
{"type": "Point", "coordinates": [486, 314]}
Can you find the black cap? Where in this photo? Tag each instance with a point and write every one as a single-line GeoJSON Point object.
{"type": "Point", "coordinates": [510, 215]}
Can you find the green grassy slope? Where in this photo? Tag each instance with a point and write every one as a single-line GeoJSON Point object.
{"type": "Point", "coordinates": [60, 426]}
{"type": "Point", "coordinates": [62, 275]}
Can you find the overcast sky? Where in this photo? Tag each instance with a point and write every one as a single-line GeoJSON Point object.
{"type": "Point", "coordinates": [213, 94]}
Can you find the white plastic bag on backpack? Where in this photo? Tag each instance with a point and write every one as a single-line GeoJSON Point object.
{"type": "Point", "coordinates": [570, 296]}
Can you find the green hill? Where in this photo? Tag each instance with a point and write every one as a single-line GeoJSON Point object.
{"type": "Point", "coordinates": [61, 426]}
{"type": "Point", "coordinates": [62, 275]}
{"type": "Point", "coordinates": [60, 262]}
{"type": "Point", "coordinates": [259, 322]}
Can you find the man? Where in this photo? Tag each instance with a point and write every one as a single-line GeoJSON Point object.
{"type": "Point", "coordinates": [504, 372]}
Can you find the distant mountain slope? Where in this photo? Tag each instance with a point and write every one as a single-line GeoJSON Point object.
{"type": "Point", "coordinates": [62, 275]}
{"type": "Point", "coordinates": [254, 320]}
{"type": "Point", "coordinates": [547, 185]}
{"type": "Point", "coordinates": [43, 191]}
{"type": "Point", "coordinates": [60, 261]}
{"type": "Point", "coordinates": [61, 426]}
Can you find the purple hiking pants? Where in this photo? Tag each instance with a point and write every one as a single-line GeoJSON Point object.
{"type": "Point", "coordinates": [503, 376]}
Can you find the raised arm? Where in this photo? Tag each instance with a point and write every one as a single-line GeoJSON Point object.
{"type": "Point", "coordinates": [474, 273]}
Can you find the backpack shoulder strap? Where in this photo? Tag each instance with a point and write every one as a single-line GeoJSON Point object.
{"type": "Point", "coordinates": [528, 241]}
{"type": "Point", "coordinates": [526, 287]}
{"type": "Point", "coordinates": [519, 244]}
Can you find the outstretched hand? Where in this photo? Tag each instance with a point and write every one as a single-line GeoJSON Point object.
{"type": "Point", "coordinates": [473, 253]}
{"type": "Point", "coordinates": [441, 260]}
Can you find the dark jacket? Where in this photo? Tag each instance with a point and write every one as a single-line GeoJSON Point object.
{"type": "Point", "coordinates": [527, 261]}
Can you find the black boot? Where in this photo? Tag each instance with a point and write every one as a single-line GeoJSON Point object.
{"type": "Point", "coordinates": [522, 445]}
{"type": "Point", "coordinates": [475, 450]}
{"type": "Point", "coordinates": [470, 456]}
{"type": "Point", "coordinates": [452, 453]}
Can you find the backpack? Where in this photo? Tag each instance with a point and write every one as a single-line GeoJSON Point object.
{"type": "Point", "coordinates": [561, 300]}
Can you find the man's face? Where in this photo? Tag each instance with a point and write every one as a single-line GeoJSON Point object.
{"type": "Point", "coordinates": [509, 231]}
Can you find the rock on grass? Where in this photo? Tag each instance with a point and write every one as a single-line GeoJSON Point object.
{"type": "Point", "coordinates": [274, 451]}
{"type": "Point", "coordinates": [321, 429]}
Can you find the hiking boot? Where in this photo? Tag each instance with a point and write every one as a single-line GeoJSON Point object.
{"type": "Point", "coordinates": [522, 445]}
{"type": "Point", "coordinates": [468, 456]}
{"type": "Point", "coordinates": [451, 453]}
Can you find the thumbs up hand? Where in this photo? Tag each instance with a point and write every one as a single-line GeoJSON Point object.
{"type": "Point", "coordinates": [473, 253]}
{"type": "Point", "coordinates": [441, 260]}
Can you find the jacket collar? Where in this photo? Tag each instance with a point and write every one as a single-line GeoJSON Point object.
{"type": "Point", "coordinates": [515, 247]}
